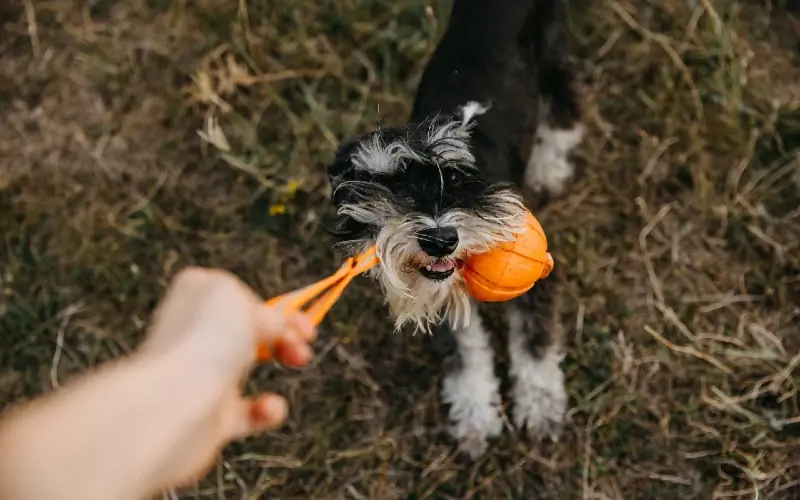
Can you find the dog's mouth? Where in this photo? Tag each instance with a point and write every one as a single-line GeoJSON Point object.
{"type": "Point", "coordinates": [438, 270]}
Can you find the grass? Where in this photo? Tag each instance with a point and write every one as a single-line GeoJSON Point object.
{"type": "Point", "coordinates": [680, 241]}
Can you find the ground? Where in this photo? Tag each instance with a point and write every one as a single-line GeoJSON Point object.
{"type": "Point", "coordinates": [143, 136]}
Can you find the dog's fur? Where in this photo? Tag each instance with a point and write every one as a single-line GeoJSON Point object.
{"type": "Point", "coordinates": [495, 113]}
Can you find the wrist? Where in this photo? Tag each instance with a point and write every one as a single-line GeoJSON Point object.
{"type": "Point", "coordinates": [65, 444]}
{"type": "Point", "coordinates": [96, 438]}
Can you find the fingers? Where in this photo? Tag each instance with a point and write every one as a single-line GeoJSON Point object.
{"type": "Point", "coordinates": [284, 336]}
{"type": "Point", "coordinates": [209, 300]}
{"type": "Point", "coordinates": [294, 348]}
{"type": "Point", "coordinates": [293, 351]}
{"type": "Point", "coordinates": [256, 415]}
{"type": "Point", "coordinates": [303, 325]}
{"type": "Point", "coordinates": [272, 322]}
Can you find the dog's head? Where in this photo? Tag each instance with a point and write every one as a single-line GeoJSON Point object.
{"type": "Point", "coordinates": [417, 193]}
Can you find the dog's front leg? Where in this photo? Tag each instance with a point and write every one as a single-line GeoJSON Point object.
{"type": "Point", "coordinates": [471, 388]}
{"type": "Point", "coordinates": [535, 345]}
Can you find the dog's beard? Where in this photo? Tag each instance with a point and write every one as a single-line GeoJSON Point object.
{"type": "Point", "coordinates": [413, 298]}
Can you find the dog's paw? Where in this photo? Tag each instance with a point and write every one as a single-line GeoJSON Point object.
{"type": "Point", "coordinates": [474, 411]}
{"type": "Point", "coordinates": [474, 439]}
{"type": "Point", "coordinates": [474, 431]}
{"type": "Point", "coordinates": [540, 406]}
{"type": "Point", "coordinates": [549, 168]}
{"type": "Point", "coordinates": [548, 173]}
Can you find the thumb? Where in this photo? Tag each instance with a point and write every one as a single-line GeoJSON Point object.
{"type": "Point", "coordinates": [251, 416]}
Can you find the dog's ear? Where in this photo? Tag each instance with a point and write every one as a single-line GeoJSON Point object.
{"type": "Point", "coordinates": [342, 170]}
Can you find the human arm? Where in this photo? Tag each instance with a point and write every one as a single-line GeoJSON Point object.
{"type": "Point", "coordinates": [159, 417]}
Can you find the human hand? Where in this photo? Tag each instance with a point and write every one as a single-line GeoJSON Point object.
{"type": "Point", "coordinates": [210, 325]}
{"type": "Point", "coordinates": [158, 418]}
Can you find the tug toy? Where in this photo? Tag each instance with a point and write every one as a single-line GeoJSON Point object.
{"type": "Point", "coordinates": [326, 292]}
{"type": "Point", "coordinates": [503, 273]}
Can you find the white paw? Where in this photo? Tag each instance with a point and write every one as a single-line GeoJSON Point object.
{"type": "Point", "coordinates": [474, 409]}
{"type": "Point", "coordinates": [539, 408]}
{"type": "Point", "coordinates": [547, 172]}
{"type": "Point", "coordinates": [549, 167]}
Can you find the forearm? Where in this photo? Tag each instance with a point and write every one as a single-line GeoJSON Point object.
{"type": "Point", "coordinates": [101, 437]}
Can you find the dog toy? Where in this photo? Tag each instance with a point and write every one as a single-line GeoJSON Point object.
{"type": "Point", "coordinates": [511, 268]}
{"type": "Point", "coordinates": [503, 273]}
{"type": "Point", "coordinates": [326, 292]}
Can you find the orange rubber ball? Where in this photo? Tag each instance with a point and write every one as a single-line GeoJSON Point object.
{"type": "Point", "coordinates": [511, 268]}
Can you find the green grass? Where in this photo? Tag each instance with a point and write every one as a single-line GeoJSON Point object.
{"type": "Point", "coordinates": [679, 243]}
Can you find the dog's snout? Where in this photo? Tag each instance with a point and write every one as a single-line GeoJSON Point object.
{"type": "Point", "coordinates": [438, 241]}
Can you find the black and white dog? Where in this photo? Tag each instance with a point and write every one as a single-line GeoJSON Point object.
{"type": "Point", "coordinates": [496, 114]}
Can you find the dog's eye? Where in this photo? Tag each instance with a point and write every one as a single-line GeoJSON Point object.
{"type": "Point", "coordinates": [451, 177]}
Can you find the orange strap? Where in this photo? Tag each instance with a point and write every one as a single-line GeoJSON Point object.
{"type": "Point", "coordinates": [320, 296]}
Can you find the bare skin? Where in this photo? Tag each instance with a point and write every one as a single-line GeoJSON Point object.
{"type": "Point", "coordinates": [159, 417]}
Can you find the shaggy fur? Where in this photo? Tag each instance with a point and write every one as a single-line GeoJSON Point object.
{"type": "Point", "coordinates": [495, 113]}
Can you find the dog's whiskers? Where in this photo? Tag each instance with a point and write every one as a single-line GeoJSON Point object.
{"type": "Point", "coordinates": [412, 297]}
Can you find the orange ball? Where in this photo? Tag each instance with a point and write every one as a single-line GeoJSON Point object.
{"type": "Point", "coordinates": [511, 268]}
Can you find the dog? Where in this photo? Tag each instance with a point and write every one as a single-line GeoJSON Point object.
{"type": "Point", "coordinates": [496, 115]}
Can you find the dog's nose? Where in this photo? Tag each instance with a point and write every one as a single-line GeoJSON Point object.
{"type": "Point", "coordinates": [438, 241]}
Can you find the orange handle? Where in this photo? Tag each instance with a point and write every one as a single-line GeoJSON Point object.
{"type": "Point", "coordinates": [326, 291]}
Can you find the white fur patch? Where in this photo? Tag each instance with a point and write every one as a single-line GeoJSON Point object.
{"type": "Point", "coordinates": [549, 167]}
{"type": "Point", "coordinates": [374, 156]}
{"type": "Point", "coordinates": [449, 144]}
{"type": "Point", "coordinates": [471, 110]}
{"type": "Point", "coordinates": [540, 399]}
{"type": "Point", "coordinates": [449, 141]}
{"type": "Point", "coordinates": [473, 392]}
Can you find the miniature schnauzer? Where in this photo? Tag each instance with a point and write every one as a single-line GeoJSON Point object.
{"type": "Point", "coordinates": [496, 114]}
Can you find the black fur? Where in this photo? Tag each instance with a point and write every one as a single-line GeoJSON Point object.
{"type": "Point", "coordinates": [417, 187]}
{"type": "Point", "coordinates": [511, 54]}
{"type": "Point", "coordinates": [514, 55]}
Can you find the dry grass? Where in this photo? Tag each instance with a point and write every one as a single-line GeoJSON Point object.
{"type": "Point", "coordinates": [680, 243]}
